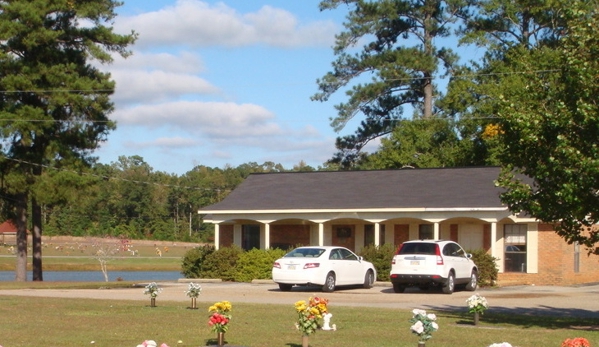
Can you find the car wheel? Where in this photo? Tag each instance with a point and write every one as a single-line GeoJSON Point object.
{"type": "Point", "coordinates": [398, 288]}
{"type": "Point", "coordinates": [449, 284]}
{"type": "Point", "coordinates": [473, 284]}
{"type": "Point", "coordinates": [329, 283]}
{"type": "Point", "coordinates": [285, 287]}
{"type": "Point", "coordinates": [368, 279]}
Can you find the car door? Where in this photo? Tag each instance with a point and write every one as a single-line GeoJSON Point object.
{"type": "Point", "coordinates": [355, 272]}
{"type": "Point", "coordinates": [341, 266]}
{"type": "Point", "coordinates": [458, 260]}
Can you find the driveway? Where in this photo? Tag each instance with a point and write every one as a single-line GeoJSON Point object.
{"type": "Point", "coordinates": [577, 301]}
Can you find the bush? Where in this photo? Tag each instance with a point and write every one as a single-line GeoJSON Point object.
{"type": "Point", "coordinates": [193, 261]}
{"type": "Point", "coordinates": [487, 267]}
{"type": "Point", "coordinates": [221, 263]}
{"type": "Point", "coordinates": [256, 264]}
{"type": "Point", "coordinates": [380, 257]}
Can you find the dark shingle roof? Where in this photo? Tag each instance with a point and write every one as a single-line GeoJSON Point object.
{"type": "Point", "coordinates": [471, 187]}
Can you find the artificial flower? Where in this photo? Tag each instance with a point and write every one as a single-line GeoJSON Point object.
{"type": "Point", "coordinates": [477, 304]}
{"type": "Point", "coordinates": [310, 314]}
{"type": "Point", "coordinates": [423, 324]}
{"type": "Point", "coordinates": [576, 342]}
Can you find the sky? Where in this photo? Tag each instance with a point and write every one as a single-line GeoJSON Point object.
{"type": "Point", "coordinates": [219, 83]}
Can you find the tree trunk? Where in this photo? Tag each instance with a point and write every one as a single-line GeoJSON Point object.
{"type": "Point", "coordinates": [36, 240]}
{"type": "Point", "coordinates": [21, 222]}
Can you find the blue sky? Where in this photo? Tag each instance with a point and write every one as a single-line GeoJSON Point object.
{"type": "Point", "coordinates": [221, 83]}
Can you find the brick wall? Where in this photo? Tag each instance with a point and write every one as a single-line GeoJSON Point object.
{"type": "Point", "coordinates": [556, 264]}
{"type": "Point", "coordinates": [285, 236]}
{"type": "Point", "coordinates": [344, 236]}
{"type": "Point", "coordinates": [226, 235]}
{"type": "Point", "coordinates": [401, 233]}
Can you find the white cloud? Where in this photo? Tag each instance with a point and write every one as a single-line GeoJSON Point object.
{"type": "Point", "coordinates": [212, 119]}
{"type": "Point", "coordinates": [166, 142]}
{"type": "Point", "coordinates": [196, 23]}
{"type": "Point", "coordinates": [151, 78]}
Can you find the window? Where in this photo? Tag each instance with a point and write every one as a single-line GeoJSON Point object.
{"type": "Point", "coordinates": [515, 247]}
{"type": "Point", "coordinates": [576, 257]}
{"type": "Point", "coordinates": [250, 236]}
{"type": "Point", "coordinates": [426, 232]}
{"type": "Point", "coordinates": [369, 234]}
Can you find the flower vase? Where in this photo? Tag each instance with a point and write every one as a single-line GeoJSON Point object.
{"type": "Point", "coordinates": [153, 302]}
{"type": "Point", "coordinates": [194, 303]}
{"type": "Point", "coordinates": [421, 344]}
{"type": "Point", "coordinates": [220, 339]}
{"type": "Point", "coordinates": [476, 317]}
{"type": "Point", "coordinates": [305, 340]}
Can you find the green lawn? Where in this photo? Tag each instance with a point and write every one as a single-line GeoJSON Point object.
{"type": "Point", "coordinates": [29, 321]}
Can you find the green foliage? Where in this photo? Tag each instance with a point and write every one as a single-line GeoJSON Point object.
{"type": "Point", "coordinates": [550, 127]}
{"type": "Point", "coordinates": [193, 261]}
{"type": "Point", "coordinates": [222, 263]}
{"type": "Point", "coordinates": [398, 75]}
{"type": "Point", "coordinates": [256, 264]}
{"type": "Point", "coordinates": [380, 257]}
{"type": "Point", "coordinates": [487, 267]}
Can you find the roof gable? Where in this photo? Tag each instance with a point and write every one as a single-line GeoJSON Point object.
{"type": "Point", "coordinates": [445, 188]}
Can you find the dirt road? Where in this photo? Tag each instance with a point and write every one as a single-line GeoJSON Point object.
{"type": "Point", "coordinates": [580, 301]}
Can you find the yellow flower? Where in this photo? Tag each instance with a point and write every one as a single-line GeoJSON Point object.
{"type": "Point", "coordinates": [212, 308]}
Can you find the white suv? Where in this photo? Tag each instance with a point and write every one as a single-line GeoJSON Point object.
{"type": "Point", "coordinates": [425, 263]}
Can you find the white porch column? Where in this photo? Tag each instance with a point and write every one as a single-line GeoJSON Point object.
{"type": "Point", "coordinates": [436, 231]}
{"type": "Point", "coordinates": [266, 238]}
{"type": "Point", "coordinates": [320, 234]}
{"type": "Point", "coordinates": [216, 236]}
{"type": "Point", "coordinates": [237, 234]}
{"type": "Point", "coordinates": [493, 238]}
{"type": "Point", "coordinates": [377, 236]}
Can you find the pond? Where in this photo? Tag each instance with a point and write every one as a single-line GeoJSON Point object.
{"type": "Point", "coordinates": [97, 276]}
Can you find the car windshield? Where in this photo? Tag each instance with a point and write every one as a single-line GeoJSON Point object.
{"type": "Point", "coordinates": [305, 253]}
{"type": "Point", "coordinates": [417, 248]}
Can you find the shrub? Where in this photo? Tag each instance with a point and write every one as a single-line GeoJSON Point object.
{"type": "Point", "coordinates": [193, 261]}
{"type": "Point", "coordinates": [487, 267]}
{"type": "Point", "coordinates": [380, 257]}
{"type": "Point", "coordinates": [256, 264]}
{"type": "Point", "coordinates": [221, 263]}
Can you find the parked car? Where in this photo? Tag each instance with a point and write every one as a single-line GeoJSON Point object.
{"type": "Point", "coordinates": [427, 263]}
{"type": "Point", "coordinates": [326, 266]}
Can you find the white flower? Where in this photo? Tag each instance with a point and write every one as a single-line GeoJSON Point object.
{"type": "Point", "coordinates": [418, 327]}
{"type": "Point", "coordinates": [418, 311]}
{"type": "Point", "coordinates": [193, 290]}
{"type": "Point", "coordinates": [503, 344]}
{"type": "Point", "coordinates": [435, 326]}
{"type": "Point", "coordinates": [431, 316]}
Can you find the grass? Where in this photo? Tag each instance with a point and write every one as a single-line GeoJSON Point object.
{"type": "Point", "coordinates": [30, 321]}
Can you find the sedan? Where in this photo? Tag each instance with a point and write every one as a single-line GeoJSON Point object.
{"type": "Point", "coordinates": [326, 266]}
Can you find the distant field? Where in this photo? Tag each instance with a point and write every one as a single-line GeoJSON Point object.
{"type": "Point", "coordinates": [78, 254]}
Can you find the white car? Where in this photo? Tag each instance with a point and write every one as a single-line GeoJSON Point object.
{"type": "Point", "coordinates": [326, 266]}
{"type": "Point", "coordinates": [426, 263]}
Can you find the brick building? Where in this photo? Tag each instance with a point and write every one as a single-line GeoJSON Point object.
{"type": "Point", "coordinates": [358, 208]}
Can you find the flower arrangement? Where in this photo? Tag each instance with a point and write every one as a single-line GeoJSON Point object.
{"type": "Point", "coordinates": [423, 324]}
{"type": "Point", "coordinates": [310, 314]}
{"type": "Point", "coordinates": [193, 290]}
{"type": "Point", "coordinates": [576, 342]}
{"type": "Point", "coordinates": [151, 343]}
{"type": "Point", "coordinates": [503, 344]}
{"type": "Point", "coordinates": [477, 304]}
{"type": "Point", "coordinates": [152, 289]}
{"type": "Point", "coordinates": [219, 316]}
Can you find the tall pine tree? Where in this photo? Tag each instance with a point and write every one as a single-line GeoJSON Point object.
{"type": "Point", "coordinates": [54, 104]}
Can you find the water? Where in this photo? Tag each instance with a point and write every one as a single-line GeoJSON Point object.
{"type": "Point", "coordinates": [97, 276]}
